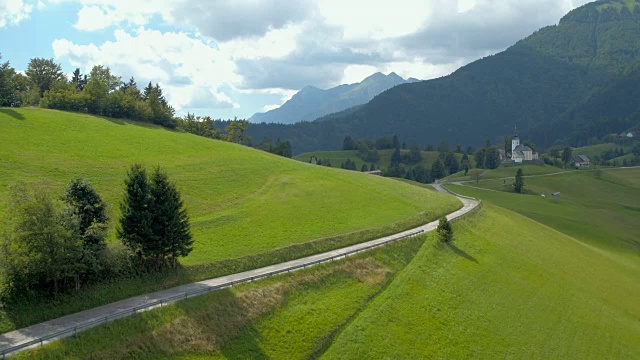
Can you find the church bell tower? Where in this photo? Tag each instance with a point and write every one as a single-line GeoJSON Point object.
{"type": "Point", "coordinates": [516, 140]}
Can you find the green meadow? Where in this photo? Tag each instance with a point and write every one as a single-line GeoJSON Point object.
{"type": "Point", "coordinates": [294, 316]}
{"type": "Point", "coordinates": [338, 157]}
{"type": "Point", "coordinates": [508, 287]}
{"type": "Point", "coordinates": [502, 172]}
{"type": "Point", "coordinates": [248, 208]}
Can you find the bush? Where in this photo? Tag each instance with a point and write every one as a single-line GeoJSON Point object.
{"type": "Point", "coordinates": [444, 230]}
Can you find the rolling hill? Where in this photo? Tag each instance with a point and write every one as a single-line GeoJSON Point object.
{"type": "Point", "coordinates": [547, 84]}
{"type": "Point", "coordinates": [311, 103]}
{"type": "Point", "coordinates": [514, 283]}
{"type": "Point", "coordinates": [248, 208]}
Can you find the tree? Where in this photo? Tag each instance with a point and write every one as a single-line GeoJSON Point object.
{"type": "Point", "coordinates": [636, 149]}
{"type": "Point", "coordinates": [415, 155]}
{"type": "Point", "coordinates": [476, 175]}
{"type": "Point", "coordinates": [135, 222]}
{"type": "Point", "coordinates": [236, 131]}
{"type": "Point", "coordinates": [372, 167]}
{"type": "Point", "coordinates": [451, 163]}
{"type": "Point", "coordinates": [364, 168]}
{"type": "Point", "coordinates": [459, 149]}
{"type": "Point", "coordinates": [41, 253]}
{"type": "Point", "coordinates": [444, 230]}
{"type": "Point", "coordinates": [438, 171]}
{"type": "Point", "coordinates": [519, 184]}
{"type": "Point", "coordinates": [480, 158]}
{"type": "Point", "coordinates": [566, 155]}
{"type": "Point", "coordinates": [396, 158]}
{"type": "Point", "coordinates": [348, 143]}
{"type": "Point", "coordinates": [44, 73]}
{"type": "Point", "coordinates": [171, 234]}
{"type": "Point", "coordinates": [429, 147]}
{"type": "Point", "coordinates": [465, 164]}
{"type": "Point", "coordinates": [507, 144]}
{"type": "Point", "coordinates": [90, 210]}
{"type": "Point", "coordinates": [396, 142]}
{"type": "Point", "coordinates": [598, 173]}
{"type": "Point", "coordinates": [444, 147]}
{"type": "Point", "coordinates": [492, 158]}
{"type": "Point", "coordinates": [78, 81]}
{"type": "Point", "coordinates": [8, 91]}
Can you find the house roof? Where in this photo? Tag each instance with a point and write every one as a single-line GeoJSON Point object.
{"type": "Point", "coordinates": [580, 159]}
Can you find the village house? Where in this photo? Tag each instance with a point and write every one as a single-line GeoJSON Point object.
{"type": "Point", "coordinates": [580, 161]}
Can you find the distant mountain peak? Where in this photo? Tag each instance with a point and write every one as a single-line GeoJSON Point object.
{"type": "Point", "coordinates": [311, 102]}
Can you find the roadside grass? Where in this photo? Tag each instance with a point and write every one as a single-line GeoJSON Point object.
{"type": "Point", "coordinates": [601, 212]}
{"type": "Point", "coordinates": [508, 287]}
{"type": "Point", "coordinates": [248, 208]}
{"type": "Point", "coordinates": [338, 157]}
{"type": "Point", "coordinates": [593, 150]}
{"type": "Point", "coordinates": [291, 316]}
{"type": "Point", "coordinates": [502, 172]}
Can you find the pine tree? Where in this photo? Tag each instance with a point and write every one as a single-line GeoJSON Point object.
{"type": "Point", "coordinates": [519, 184]}
{"type": "Point", "coordinates": [135, 223]}
{"type": "Point", "coordinates": [438, 170]}
{"type": "Point", "coordinates": [364, 168]}
{"type": "Point", "coordinates": [90, 209]}
{"type": "Point", "coordinates": [171, 234]}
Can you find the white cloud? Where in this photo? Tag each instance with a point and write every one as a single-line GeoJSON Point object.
{"type": "Point", "coordinates": [13, 12]}
{"type": "Point", "coordinates": [270, 107]}
{"type": "Point", "coordinates": [190, 70]}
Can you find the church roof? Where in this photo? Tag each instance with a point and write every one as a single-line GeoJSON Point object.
{"type": "Point", "coordinates": [522, 148]}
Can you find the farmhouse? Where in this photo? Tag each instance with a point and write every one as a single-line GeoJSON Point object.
{"type": "Point", "coordinates": [625, 134]}
{"type": "Point", "coordinates": [581, 161]}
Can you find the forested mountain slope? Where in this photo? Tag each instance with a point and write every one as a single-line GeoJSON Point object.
{"type": "Point", "coordinates": [536, 84]}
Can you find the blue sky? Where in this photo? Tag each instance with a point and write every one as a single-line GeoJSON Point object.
{"type": "Point", "coordinates": [228, 58]}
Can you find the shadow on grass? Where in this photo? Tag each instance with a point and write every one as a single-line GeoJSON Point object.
{"type": "Point", "coordinates": [461, 253]}
{"type": "Point", "coordinates": [14, 114]}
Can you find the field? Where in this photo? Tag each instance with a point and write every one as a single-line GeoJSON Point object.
{"type": "Point", "coordinates": [502, 172]}
{"type": "Point", "coordinates": [338, 157]}
{"type": "Point", "coordinates": [288, 317]}
{"type": "Point", "coordinates": [508, 288]}
{"type": "Point", "coordinates": [601, 212]}
{"type": "Point", "coordinates": [245, 205]}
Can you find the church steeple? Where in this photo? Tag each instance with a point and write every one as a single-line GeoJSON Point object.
{"type": "Point", "coordinates": [516, 140]}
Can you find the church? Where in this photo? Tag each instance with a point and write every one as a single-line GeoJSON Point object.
{"type": "Point", "coordinates": [519, 152]}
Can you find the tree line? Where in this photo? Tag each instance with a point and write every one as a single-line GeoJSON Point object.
{"type": "Point", "coordinates": [57, 244]}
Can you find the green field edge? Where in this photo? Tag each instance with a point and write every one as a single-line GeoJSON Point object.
{"type": "Point", "coordinates": [29, 313]}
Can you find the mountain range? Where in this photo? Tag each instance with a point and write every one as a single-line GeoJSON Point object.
{"type": "Point", "coordinates": [563, 84]}
{"type": "Point", "coordinates": [311, 102]}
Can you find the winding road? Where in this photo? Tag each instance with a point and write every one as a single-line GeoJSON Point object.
{"type": "Point", "coordinates": [69, 325]}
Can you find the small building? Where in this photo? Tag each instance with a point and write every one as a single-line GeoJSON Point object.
{"type": "Point", "coordinates": [375, 172]}
{"type": "Point", "coordinates": [625, 134]}
{"type": "Point", "coordinates": [519, 152]}
{"type": "Point", "coordinates": [581, 161]}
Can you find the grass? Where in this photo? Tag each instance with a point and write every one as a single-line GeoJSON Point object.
{"type": "Point", "coordinates": [593, 150]}
{"type": "Point", "coordinates": [292, 316]}
{"type": "Point", "coordinates": [247, 207]}
{"type": "Point", "coordinates": [601, 212]}
{"type": "Point", "coordinates": [338, 157]}
{"type": "Point", "coordinates": [508, 287]}
{"type": "Point", "coordinates": [502, 172]}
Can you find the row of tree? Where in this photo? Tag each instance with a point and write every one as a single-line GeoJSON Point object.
{"type": "Point", "coordinates": [58, 245]}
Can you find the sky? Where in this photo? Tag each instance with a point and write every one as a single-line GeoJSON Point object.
{"type": "Point", "coordinates": [233, 58]}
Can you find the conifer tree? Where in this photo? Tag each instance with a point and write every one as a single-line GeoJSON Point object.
{"type": "Point", "coordinates": [169, 220]}
{"type": "Point", "coordinates": [135, 223]}
{"type": "Point", "coordinates": [519, 184]}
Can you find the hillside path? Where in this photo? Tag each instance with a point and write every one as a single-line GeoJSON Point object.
{"type": "Point", "coordinates": [31, 336]}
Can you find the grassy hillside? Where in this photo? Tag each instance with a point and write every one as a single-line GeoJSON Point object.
{"type": "Point", "coordinates": [502, 172]}
{"type": "Point", "coordinates": [508, 288]}
{"type": "Point", "coordinates": [601, 212]}
{"type": "Point", "coordinates": [248, 208]}
{"type": "Point", "coordinates": [338, 157]}
{"type": "Point", "coordinates": [287, 317]}
{"type": "Point", "coordinates": [241, 201]}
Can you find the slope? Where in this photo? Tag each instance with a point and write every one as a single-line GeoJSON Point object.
{"type": "Point", "coordinates": [508, 287]}
{"type": "Point", "coordinates": [311, 103]}
{"type": "Point", "coordinates": [248, 208]}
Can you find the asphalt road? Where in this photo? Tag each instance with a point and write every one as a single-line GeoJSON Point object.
{"type": "Point", "coordinates": [89, 318]}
